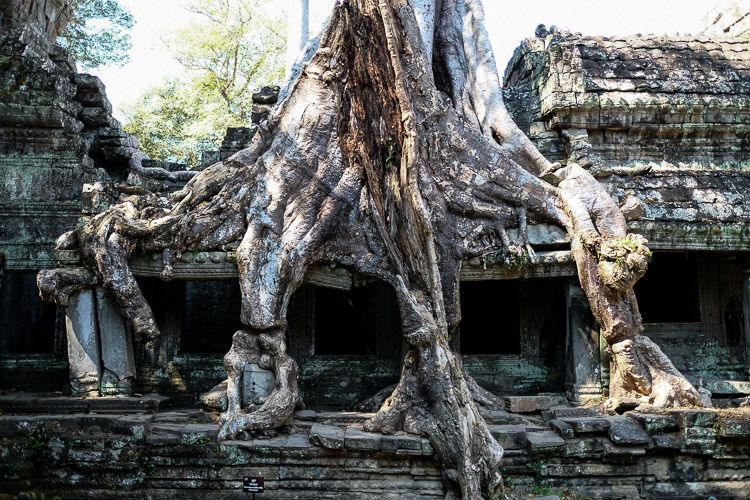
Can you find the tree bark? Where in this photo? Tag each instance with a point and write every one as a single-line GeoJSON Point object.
{"type": "Point", "coordinates": [393, 155]}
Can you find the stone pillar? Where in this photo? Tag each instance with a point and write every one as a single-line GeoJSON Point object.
{"type": "Point", "coordinates": [582, 360]}
{"type": "Point", "coordinates": [84, 353]}
{"type": "Point", "coordinates": [746, 310]}
{"type": "Point", "coordinates": [257, 383]}
{"type": "Point", "coordinates": [118, 363]}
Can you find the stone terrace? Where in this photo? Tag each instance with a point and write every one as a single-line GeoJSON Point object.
{"type": "Point", "coordinates": [136, 448]}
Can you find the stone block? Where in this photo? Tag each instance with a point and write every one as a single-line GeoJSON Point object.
{"type": "Point", "coordinates": [626, 431]}
{"type": "Point", "coordinates": [613, 450]}
{"type": "Point", "coordinates": [355, 438]}
{"type": "Point", "coordinates": [586, 447]}
{"type": "Point", "coordinates": [427, 447]}
{"type": "Point", "coordinates": [567, 412]}
{"type": "Point", "coordinates": [693, 417]}
{"type": "Point", "coordinates": [734, 428]}
{"type": "Point", "coordinates": [97, 117]}
{"type": "Point", "coordinates": [510, 437]}
{"type": "Point", "coordinates": [83, 343]}
{"type": "Point", "coordinates": [587, 425]}
{"type": "Point", "coordinates": [298, 441]}
{"type": "Point", "coordinates": [305, 415]}
{"type": "Point", "coordinates": [530, 404]}
{"type": "Point", "coordinates": [654, 424]}
{"type": "Point", "coordinates": [699, 440]}
{"type": "Point", "coordinates": [544, 442]}
{"type": "Point", "coordinates": [257, 383]}
{"type": "Point", "coordinates": [327, 436]}
{"type": "Point", "coordinates": [563, 429]}
{"type": "Point", "coordinates": [402, 444]}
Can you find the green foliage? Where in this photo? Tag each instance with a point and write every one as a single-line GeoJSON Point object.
{"type": "Point", "coordinates": [38, 440]}
{"type": "Point", "coordinates": [97, 33]}
{"type": "Point", "coordinates": [230, 50]}
{"type": "Point", "coordinates": [177, 121]}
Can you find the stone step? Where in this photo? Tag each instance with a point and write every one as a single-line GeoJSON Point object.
{"type": "Point", "coordinates": [34, 404]}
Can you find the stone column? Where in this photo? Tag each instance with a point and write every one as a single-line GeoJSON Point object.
{"type": "Point", "coordinates": [582, 361]}
{"type": "Point", "coordinates": [118, 363]}
{"type": "Point", "coordinates": [746, 310]}
{"type": "Point", "coordinates": [84, 353]}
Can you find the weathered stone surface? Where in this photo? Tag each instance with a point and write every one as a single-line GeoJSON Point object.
{"type": "Point", "coordinates": [699, 440]}
{"type": "Point", "coordinates": [564, 429]}
{"type": "Point", "coordinates": [613, 450]}
{"type": "Point", "coordinates": [530, 404]}
{"type": "Point", "coordinates": [654, 424]}
{"type": "Point", "coordinates": [327, 436]}
{"type": "Point", "coordinates": [216, 398]}
{"type": "Point", "coordinates": [567, 412]}
{"type": "Point", "coordinates": [402, 444]}
{"type": "Point", "coordinates": [586, 447]}
{"type": "Point", "coordinates": [693, 417]}
{"type": "Point", "coordinates": [544, 442]}
{"type": "Point", "coordinates": [731, 427]}
{"type": "Point", "coordinates": [510, 437]}
{"type": "Point", "coordinates": [357, 439]}
{"type": "Point", "coordinates": [584, 425]}
{"type": "Point", "coordinates": [624, 431]}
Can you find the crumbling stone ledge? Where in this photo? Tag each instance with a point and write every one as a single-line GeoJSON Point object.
{"type": "Point", "coordinates": [176, 454]}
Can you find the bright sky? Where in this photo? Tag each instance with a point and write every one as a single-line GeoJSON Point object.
{"type": "Point", "coordinates": [508, 21]}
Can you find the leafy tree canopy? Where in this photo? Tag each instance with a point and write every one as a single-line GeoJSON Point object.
{"type": "Point", "coordinates": [97, 33]}
{"type": "Point", "coordinates": [230, 50]}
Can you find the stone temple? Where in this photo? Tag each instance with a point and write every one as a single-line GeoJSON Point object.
{"type": "Point", "coordinates": [665, 119]}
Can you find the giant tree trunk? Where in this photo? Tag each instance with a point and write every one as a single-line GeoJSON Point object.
{"type": "Point", "coordinates": [393, 154]}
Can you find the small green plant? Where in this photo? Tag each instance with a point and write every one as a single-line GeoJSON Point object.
{"type": "Point", "coordinates": [149, 466]}
{"type": "Point", "coordinates": [38, 440]}
{"type": "Point", "coordinates": [541, 489]}
{"type": "Point", "coordinates": [390, 154]}
{"type": "Point", "coordinates": [536, 466]}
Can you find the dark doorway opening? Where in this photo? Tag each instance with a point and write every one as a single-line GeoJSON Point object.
{"type": "Point", "coordinates": [27, 325]}
{"type": "Point", "coordinates": [212, 315]}
{"type": "Point", "coordinates": [351, 322]}
{"type": "Point", "coordinates": [490, 317]}
{"type": "Point", "coordinates": [668, 292]}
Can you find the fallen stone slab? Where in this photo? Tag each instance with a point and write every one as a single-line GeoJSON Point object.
{"type": "Point", "coordinates": [587, 425]}
{"type": "Point", "coordinates": [626, 431]}
{"type": "Point", "coordinates": [510, 437]}
{"type": "Point", "coordinates": [355, 438]}
{"type": "Point", "coordinates": [216, 398]}
{"type": "Point", "coordinates": [327, 436]}
{"type": "Point", "coordinates": [544, 442]}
